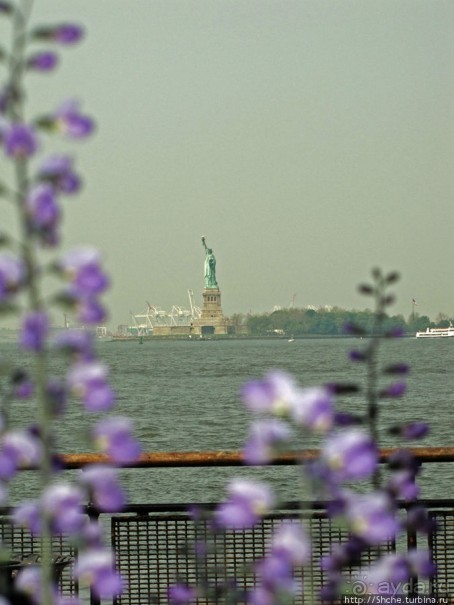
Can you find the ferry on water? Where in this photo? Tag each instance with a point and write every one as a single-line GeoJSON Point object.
{"type": "Point", "coordinates": [436, 332]}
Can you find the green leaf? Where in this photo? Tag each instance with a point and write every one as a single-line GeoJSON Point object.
{"type": "Point", "coordinates": [366, 289]}
{"type": "Point", "coordinates": [64, 300]}
{"type": "Point", "coordinates": [41, 33]}
{"type": "Point", "coordinates": [53, 268]}
{"type": "Point", "coordinates": [392, 277]}
{"type": "Point", "coordinates": [7, 308]}
{"type": "Point", "coordinates": [46, 123]}
{"type": "Point", "coordinates": [376, 273]}
{"type": "Point", "coordinates": [396, 369]}
{"type": "Point", "coordinates": [6, 8]}
{"type": "Point", "coordinates": [388, 300]}
{"type": "Point", "coordinates": [5, 240]}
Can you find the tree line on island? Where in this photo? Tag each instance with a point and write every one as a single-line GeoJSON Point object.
{"type": "Point", "coordinates": [328, 321]}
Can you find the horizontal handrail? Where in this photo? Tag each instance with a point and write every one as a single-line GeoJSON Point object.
{"type": "Point", "coordinates": [308, 506]}
{"type": "Point", "coordinates": [235, 458]}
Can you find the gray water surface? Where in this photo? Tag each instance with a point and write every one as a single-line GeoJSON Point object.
{"type": "Point", "coordinates": [184, 395]}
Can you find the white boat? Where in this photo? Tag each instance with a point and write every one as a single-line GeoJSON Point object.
{"type": "Point", "coordinates": [436, 332]}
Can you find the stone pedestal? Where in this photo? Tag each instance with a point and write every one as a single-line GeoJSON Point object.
{"type": "Point", "coordinates": [212, 320]}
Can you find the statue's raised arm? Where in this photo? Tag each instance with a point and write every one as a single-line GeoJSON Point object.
{"type": "Point", "coordinates": [210, 267]}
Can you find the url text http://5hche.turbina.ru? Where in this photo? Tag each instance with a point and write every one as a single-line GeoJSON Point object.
{"type": "Point", "coordinates": [383, 599]}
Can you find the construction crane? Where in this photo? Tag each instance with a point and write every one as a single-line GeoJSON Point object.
{"type": "Point", "coordinates": [143, 323]}
{"type": "Point", "coordinates": [195, 311]}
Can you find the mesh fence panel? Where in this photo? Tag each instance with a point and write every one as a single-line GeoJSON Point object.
{"type": "Point", "coordinates": [155, 551]}
{"type": "Point", "coordinates": [441, 544]}
{"type": "Point", "coordinates": [22, 545]}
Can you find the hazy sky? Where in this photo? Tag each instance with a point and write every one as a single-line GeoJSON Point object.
{"type": "Point", "coordinates": [308, 141]}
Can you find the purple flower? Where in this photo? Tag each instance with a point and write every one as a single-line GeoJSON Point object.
{"type": "Point", "coordinates": [418, 520]}
{"type": "Point", "coordinates": [313, 408]}
{"type": "Point", "coordinates": [91, 534]}
{"type": "Point", "coordinates": [390, 569]}
{"type": "Point", "coordinates": [420, 562]}
{"type": "Point", "coordinates": [261, 595]}
{"type": "Point", "coordinates": [24, 389]}
{"type": "Point", "coordinates": [58, 170]}
{"type": "Point", "coordinates": [64, 33]}
{"type": "Point", "coordinates": [29, 581]}
{"type": "Point", "coordinates": [289, 548]}
{"type": "Point", "coordinates": [95, 568]}
{"type": "Point", "coordinates": [414, 430]}
{"type": "Point", "coordinates": [76, 342]}
{"type": "Point", "coordinates": [403, 459]}
{"type": "Point", "coordinates": [67, 33]}
{"type": "Point", "coordinates": [20, 140]}
{"type": "Point", "coordinates": [179, 594]}
{"type": "Point", "coordinates": [247, 502]}
{"type": "Point", "coordinates": [102, 482]}
{"type": "Point", "coordinates": [114, 437]}
{"type": "Point", "coordinates": [8, 464]}
{"type": "Point", "coordinates": [35, 328]}
{"type": "Point", "coordinates": [264, 436]}
{"type": "Point", "coordinates": [342, 554]}
{"type": "Point", "coordinates": [56, 395]}
{"type": "Point", "coordinates": [290, 542]}
{"type": "Point", "coordinates": [276, 575]}
{"type": "Point", "coordinates": [63, 503]}
{"type": "Point", "coordinates": [372, 517]}
{"type": "Point", "coordinates": [356, 355]}
{"type": "Point", "coordinates": [90, 311]}
{"type": "Point", "coordinates": [18, 449]}
{"type": "Point", "coordinates": [347, 419]}
{"type": "Point", "coordinates": [12, 275]}
{"type": "Point", "coordinates": [272, 394]}
{"type": "Point", "coordinates": [83, 267]}
{"type": "Point", "coordinates": [350, 455]}
{"type": "Point", "coordinates": [397, 389]}
{"type": "Point", "coordinates": [71, 122]}
{"type": "Point", "coordinates": [402, 485]}
{"type": "Point", "coordinates": [43, 212]}
{"type": "Point", "coordinates": [331, 588]}
{"type": "Point", "coordinates": [89, 382]}
{"type": "Point", "coordinates": [43, 61]}
{"type": "Point", "coordinates": [28, 514]}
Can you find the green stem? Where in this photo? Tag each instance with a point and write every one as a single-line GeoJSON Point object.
{"type": "Point", "coordinates": [372, 381]}
{"type": "Point", "coordinates": [16, 110]}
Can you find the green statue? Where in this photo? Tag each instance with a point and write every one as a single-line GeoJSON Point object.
{"type": "Point", "coordinates": [210, 267]}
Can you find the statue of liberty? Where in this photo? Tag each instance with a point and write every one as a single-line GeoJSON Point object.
{"type": "Point", "coordinates": [210, 267]}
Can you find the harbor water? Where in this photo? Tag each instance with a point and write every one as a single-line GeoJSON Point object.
{"type": "Point", "coordinates": [184, 396]}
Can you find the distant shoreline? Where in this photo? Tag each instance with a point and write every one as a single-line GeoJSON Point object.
{"type": "Point", "coordinates": [245, 337]}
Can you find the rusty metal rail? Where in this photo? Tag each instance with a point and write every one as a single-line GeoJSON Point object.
{"type": "Point", "coordinates": [235, 458]}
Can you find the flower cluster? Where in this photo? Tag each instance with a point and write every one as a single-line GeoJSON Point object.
{"type": "Point", "coordinates": [38, 193]}
{"type": "Point", "coordinates": [282, 412]}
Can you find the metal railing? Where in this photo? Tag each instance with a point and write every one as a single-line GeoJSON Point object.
{"type": "Point", "coordinates": [235, 458]}
{"type": "Point", "coordinates": [154, 542]}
